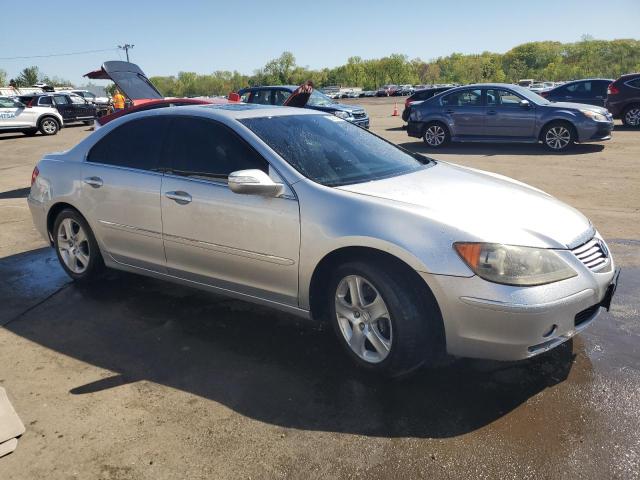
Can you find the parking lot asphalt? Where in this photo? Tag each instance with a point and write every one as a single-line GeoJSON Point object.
{"type": "Point", "coordinates": [132, 378]}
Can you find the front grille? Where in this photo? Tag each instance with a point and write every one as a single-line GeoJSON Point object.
{"type": "Point", "coordinates": [593, 254]}
{"type": "Point", "coordinates": [359, 114]}
{"type": "Point", "coordinates": [586, 314]}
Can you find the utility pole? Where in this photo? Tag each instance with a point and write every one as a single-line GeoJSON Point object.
{"type": "Point", "coordinates": [126, 48]}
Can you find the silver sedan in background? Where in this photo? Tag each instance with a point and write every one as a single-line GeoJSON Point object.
{"type": "Point", "coordinates": [407, 257]}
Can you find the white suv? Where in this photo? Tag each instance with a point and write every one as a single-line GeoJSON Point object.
{"type": "Point", "coordinates": [16, 116]}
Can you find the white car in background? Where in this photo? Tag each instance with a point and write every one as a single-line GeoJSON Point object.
{"type": "Point", "coordinates": [15, 116]}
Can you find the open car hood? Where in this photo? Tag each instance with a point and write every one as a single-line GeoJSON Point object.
{"type": "Point", "coordinates": [129, 78]}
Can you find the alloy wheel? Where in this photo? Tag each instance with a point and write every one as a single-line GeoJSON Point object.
{"type": "Point", "coordinates": [632, 117]}
{"type": "Point", "coordinates": [557, 137]}
{"type": "Point", "coordinates": [363, 318]}
{"type": "Point", "coordinates": [49, 126]}
{"type": "Point", "coordinates": [435, 135]}
{"type": "Point", "coordinates": [73, 245]}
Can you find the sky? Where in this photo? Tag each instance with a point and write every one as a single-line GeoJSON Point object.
{"type": "Point", "coordinates": [204, 36]}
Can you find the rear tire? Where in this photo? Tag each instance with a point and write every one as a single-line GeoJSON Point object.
{"type": "Point", "coordinates": [76, 247]}
{"type": "Point", "coordinates": [392, 327]}
{"type": "Point", "coordinates": [558, 136]}
{"type": "Point", "coordinates": [631, 116]}
{"type": "Point", "coordinates": [436, 135]}
{"type": "Point", "coordinates": [48, 126]}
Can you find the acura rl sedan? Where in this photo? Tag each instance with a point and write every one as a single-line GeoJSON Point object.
{"type": "Point", "coordinates": [407, 257]}
{"type": "Point", "coordinates": [509, 114]}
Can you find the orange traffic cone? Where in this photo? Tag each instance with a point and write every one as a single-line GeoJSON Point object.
{"type": "Point", "coordinates": [395, 110]}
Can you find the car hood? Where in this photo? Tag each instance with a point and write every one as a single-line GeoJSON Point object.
{"type": "Point", "coordinates": [482, 206]}
{"type": "Point", "coordinates": [577, 106]}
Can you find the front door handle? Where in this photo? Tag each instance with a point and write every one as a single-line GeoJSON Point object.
{"type": "Point", "coordinates": [181, 198]}
{"type": "Point", "coordinates": [95, 182]}
{"type": "Point", "coordinates": [491, 112]}
{"type": "Point", "coordinates": [448, 111]}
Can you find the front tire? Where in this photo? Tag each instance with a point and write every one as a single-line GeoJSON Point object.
{"type": "Point", "coordinates": [436, 135]}
{"type": "Point", "coordinates": [76, 247]}
{"type": "Point", "coordinates": [48, 126]}
{"type": "Point", "coordinates": [558, 136]}
{"type": "Point", "coordinates": [383, 320]}
{"type": "Point", "coordinates": [631, 116]}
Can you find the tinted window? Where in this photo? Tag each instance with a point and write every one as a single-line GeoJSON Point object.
{"type": "Point", "coordinates": [136, 144]}
{"type": "Point", "coordinates": [263, 97]}
{"type": "Point", "coordinates": [77, 99]}
{"type": "Point", "coordinates": [202, 148]}
{"type": "Point", "coordinates": [61, 100]}
{"type": "Point", "coordinates": [279, 96]}
{"type": "Point", "coordinates": [332, 151]}
{"type": "Point", "coordinates": [134, 85]}
{"type": "Point", "coordinates": [580, 89]}
{"type": "Point", "coordinates": [45, 101]}
{"type": "Point", "coordinates": [463, 98]}
{"type": "Point", "coordinates": [502, 98]}
{"type": "Point", "coordinates": [634, 83]}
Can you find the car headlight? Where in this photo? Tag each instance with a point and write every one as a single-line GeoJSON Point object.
{"type": "Point", "coordinates": [598, 117]}
{"type": "Point", "coordinates": [341, 114]}
{"type": "Point", "coordinates": [512, 265]}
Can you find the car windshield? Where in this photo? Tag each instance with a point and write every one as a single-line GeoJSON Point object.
{"type": "Point", "coordinates": [319, 99]}
{"type": "Point", "coordinates": [332, 151]}
{"type": "Point", "coordinates": [529, 95]}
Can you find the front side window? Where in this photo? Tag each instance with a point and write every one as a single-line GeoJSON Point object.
{"type": "Point", "coordinates": [318, 99]}
{"type": "Point", "coordinates": [136, 144]}
{"type": "Point", "coordinates": [204, 149]}
{"type": "Point", "coordinates": [579, 89]}
{"type": "Point", "coordinates": [77, 100]}
{"type": "Point", "coordinates": [332, 151]}
{"type": "Point", "coordinates": [279, 96]}
{"type": "Point", "coordinates": [61, 100]}
{"type": "Point", "coordinates": [463, 98]}
{"type": "Point", "coordinates": [502, 98]}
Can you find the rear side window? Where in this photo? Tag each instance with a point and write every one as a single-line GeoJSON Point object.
{"type": "Point", "coordinates": [635, 83]}
{"type": "Point", "coordinates": [61, 100]}
{"type": "Point", "coordinates": [263, 97]}
{"type": "Point", "coordinates": [45, 101]}
{"type": "Point", "coordinates": [463, 98]}
{"type": "Point", "coordinates": [135, 144]}
{"type": "Point", "coordinates": [205, 149]}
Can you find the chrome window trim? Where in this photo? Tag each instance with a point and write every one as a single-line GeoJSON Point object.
{"type": "Point", "coordinates": [628, 83]}
{"type": "Point", "coordinates": [119, 167]}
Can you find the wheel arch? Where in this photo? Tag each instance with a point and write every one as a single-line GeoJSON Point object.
{"type": "Point", "coordinates": [557, 120]}
{"type": "Point", "coordinates": [325, 267]}
{"type": "Point", "coordinates": [44, 116]}
{"type": "Point", "coordinates": [53, 213]}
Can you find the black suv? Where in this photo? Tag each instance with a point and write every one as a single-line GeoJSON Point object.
{"type": "Point", "coordinates": [73, 108]}
{"type": "Point", "coordinates": [420, 96]}
{"type": "Point", "coordinates": [592, 91]}
{"type": "Point", "coordinates": [623, 99]}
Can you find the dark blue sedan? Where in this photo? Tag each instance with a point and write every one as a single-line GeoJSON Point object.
{"type": "Point", "coordinates": [277, 94]}
{"type": "Point", "coordinates": [500, 112]}
{"type": "Point", "coordinates": [592, 91]}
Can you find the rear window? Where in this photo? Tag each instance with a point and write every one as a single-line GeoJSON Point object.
{"type": "Point", "coordinates": [332, 151]}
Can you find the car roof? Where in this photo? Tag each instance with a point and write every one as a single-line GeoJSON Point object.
{"type": "Point", "coordinates": [267, 87]}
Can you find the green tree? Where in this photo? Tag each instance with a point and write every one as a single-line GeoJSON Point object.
{"type": "Point", "coordinates": [28, 77]}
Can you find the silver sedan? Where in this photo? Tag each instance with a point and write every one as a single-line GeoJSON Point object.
{"type": "Point", "coordinates": [407, 257]}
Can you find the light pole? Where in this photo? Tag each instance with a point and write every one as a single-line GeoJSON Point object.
{"type": "Point", "coordinates": [126, 48]}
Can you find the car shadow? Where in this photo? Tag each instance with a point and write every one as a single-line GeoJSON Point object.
{"type": "Point", "coordinates": [17, 193]}
{"type": "Point", "coordinates": [492, 149]}
{"type": "Point", "coordinates": [264, 365]}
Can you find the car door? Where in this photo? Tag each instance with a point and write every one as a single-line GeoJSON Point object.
{"type": "Point", "coordinates": [121, 185]}
{"type": "Point", "coordinates": [81, 108]}
{"type": "Point", "coordinates": [507, 118]}
{"type": "Point", "coordinates": [599, 91]}
{"type": "Point", "coordinates": [465, 112]}
{"type": "Point", "coordinates": [64, 107]}
{"type": "Point", "coordinates": [242, 243]}
{"type": "Point", "coordinates": [10, 113]}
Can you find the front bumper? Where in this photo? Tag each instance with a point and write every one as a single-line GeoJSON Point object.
{"type": "Point", "coordinates": [361, 122]}
{"type": "Point", "coordinates": [501, 322]}
{"type": "Point", "coordinates": [591, 131]}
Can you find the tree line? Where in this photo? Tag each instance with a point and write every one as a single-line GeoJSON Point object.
{"type": "Point", "coordinates": [553, 61]}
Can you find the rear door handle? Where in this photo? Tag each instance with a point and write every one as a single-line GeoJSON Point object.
{"type": "Point", "coordinates": [95, 182]}
{"type": "Point", "coordinates": [491, 112]}
{"type": "Point", "coordinates": [448, 111]}
{"type": "Point", "coordinates": [181, 198]}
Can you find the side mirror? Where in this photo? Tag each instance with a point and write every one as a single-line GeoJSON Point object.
{"type": "Point", "coordinates": [525, 103]}
{"type": "Point", "coordinates": [254, 182]}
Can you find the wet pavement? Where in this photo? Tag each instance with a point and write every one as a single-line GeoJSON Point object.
{"type": "Point", "coordinates": [133, 378]}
